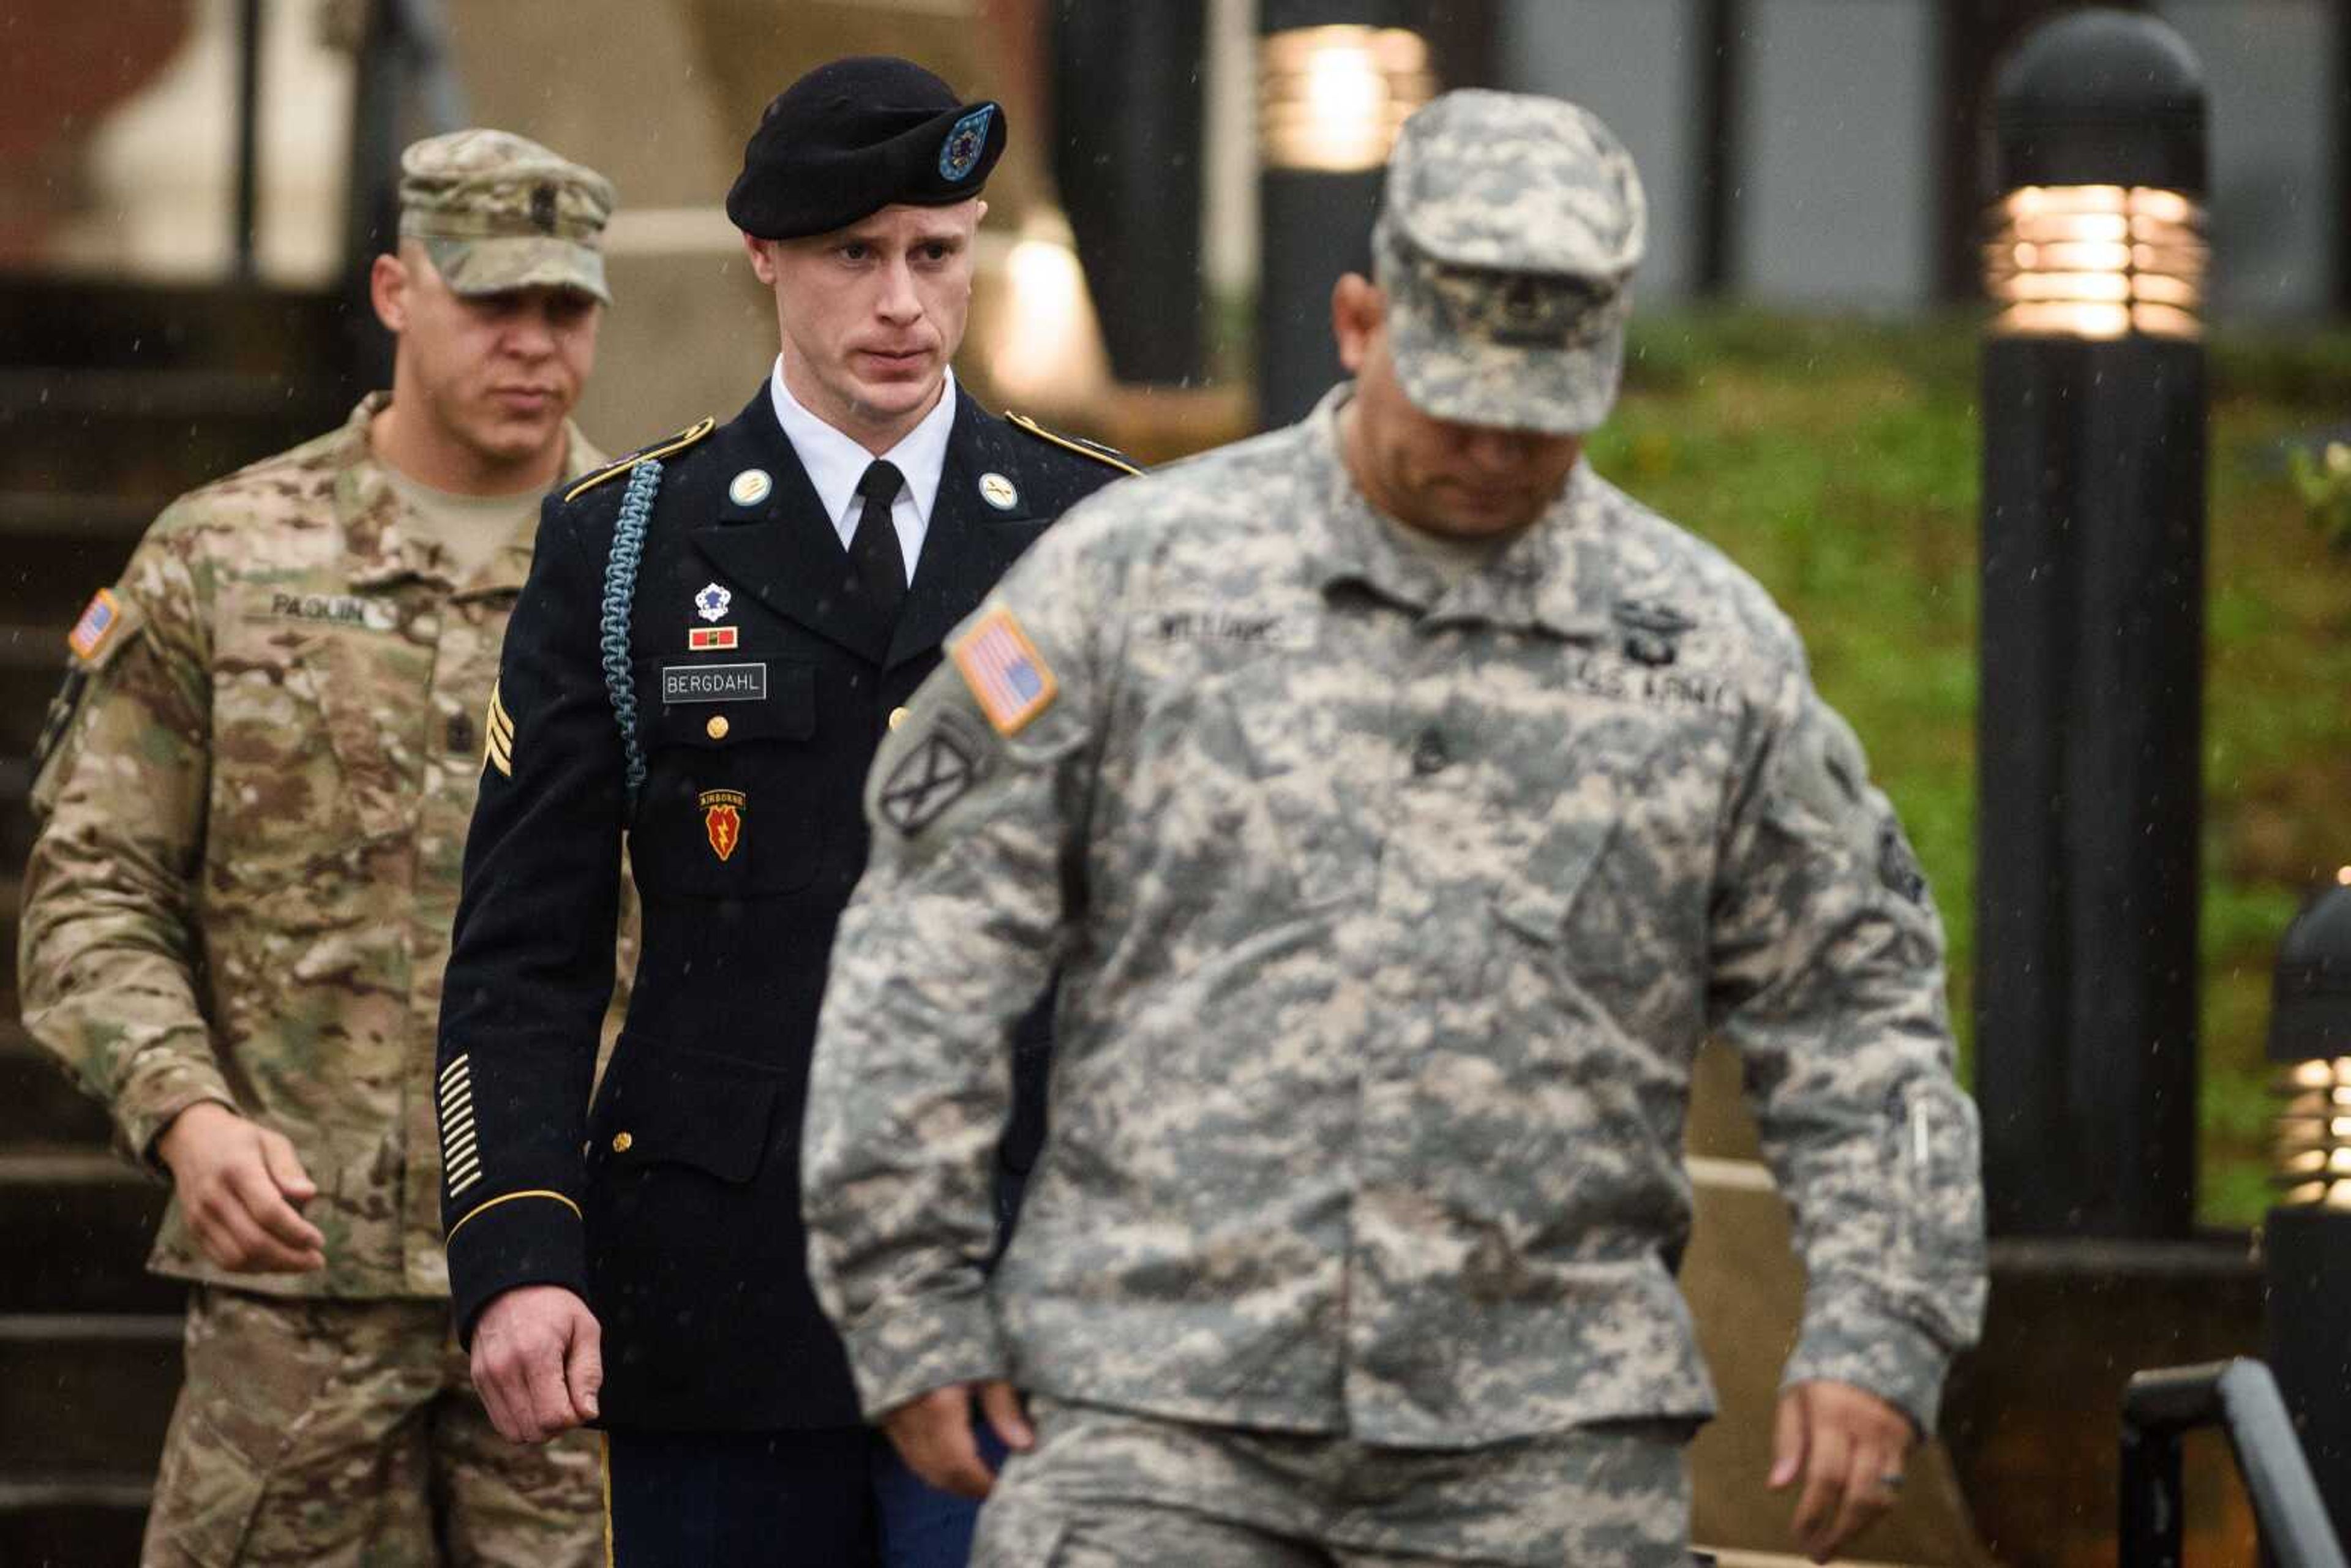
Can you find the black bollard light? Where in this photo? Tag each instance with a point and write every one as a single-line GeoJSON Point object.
{"type": "Point", "coordinates": [2306, 1241]}
{"type": "Point", "coordinates": [2092, 588]}
{"type": "Point", "coordinates": [1336, 79]}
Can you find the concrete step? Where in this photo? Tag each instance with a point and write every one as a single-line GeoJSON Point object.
{"type": "Point", "coordinates": [40, 1105]}
{"type": "Point", "coordinates": [61, 549]}
{"type": "Point", "coordinates": [142, 433]}
{"type": "Point", "coordinates": [33, 658]}
{"type": "Point", "coordinates": [41, 516]}
{"type": "Point", "coordinates": [17, 823]}
{"type": "Point", "coordinates": [16, 844]}
{"type": "Point", "coordinates": [71, 1521]}
{"type": "Point", "coordinates": [75, 1226]}
{"type": "Point", "coordinates": [121, 326]}
{"type": "Point", "coordinates": [84, 1396]}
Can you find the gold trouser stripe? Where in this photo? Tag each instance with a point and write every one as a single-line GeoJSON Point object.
{"type": "Point", "coordinates": [608, 1497]}
{"type": "Point", "coordinates": [510, 1198]}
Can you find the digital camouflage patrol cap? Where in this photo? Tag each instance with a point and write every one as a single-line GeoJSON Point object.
{"type": "Point", "coordinates": [497, 212]}
{"type": "Point", "coordinates": [1509, 231]}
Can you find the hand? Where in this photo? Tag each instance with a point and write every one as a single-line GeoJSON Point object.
{"type": "Point", "coordinates": [933, 1435]}
{"type": "Point", "coordinates": [242, 1188]}
{"type": "Point", "coordinates": [1850, 1447]}
{"type": "Point", "coordinates": [539, 1360]}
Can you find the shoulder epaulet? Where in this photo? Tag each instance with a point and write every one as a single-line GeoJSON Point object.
{"type": "Point", "coordinates": [678, 442]}
{"type": "Point", "coordinates": [1077, 443]}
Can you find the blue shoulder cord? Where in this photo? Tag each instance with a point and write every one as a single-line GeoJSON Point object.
{"type": "Point", "coordinates": [620, 595]}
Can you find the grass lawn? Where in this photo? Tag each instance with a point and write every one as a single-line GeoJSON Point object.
{"type": "Point", "coordinates": [1838, 461]}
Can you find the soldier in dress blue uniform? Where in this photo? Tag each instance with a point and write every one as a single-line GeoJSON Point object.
{"type": "Point", "coordinates": [715, 635]}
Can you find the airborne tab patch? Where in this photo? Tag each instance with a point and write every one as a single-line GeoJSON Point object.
{"type": "Point", "coordinates": [1004, 672]}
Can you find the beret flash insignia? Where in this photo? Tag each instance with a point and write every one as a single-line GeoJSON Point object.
{"type": "Point", "coordinates": [959, 154]}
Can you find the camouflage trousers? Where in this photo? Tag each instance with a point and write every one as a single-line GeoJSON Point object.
{"type": "Point", "coordinates": [337, 1434]}
{"type": "Point", "coordinates": [1106, 1489]}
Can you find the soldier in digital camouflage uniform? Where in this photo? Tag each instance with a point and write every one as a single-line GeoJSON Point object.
{"type": "Point", "coordinates": [1404, 804]}
{"type": "Point", "coordinates": [256, 790]}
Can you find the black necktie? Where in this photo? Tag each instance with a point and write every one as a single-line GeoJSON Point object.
{"type": "Point", "coordinates": [874, 547]}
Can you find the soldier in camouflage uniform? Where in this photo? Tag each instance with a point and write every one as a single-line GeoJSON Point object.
{"type": "Point", "coordinates": [255, 793]}
{"type": "Point", "coordinates": [1404, 804]}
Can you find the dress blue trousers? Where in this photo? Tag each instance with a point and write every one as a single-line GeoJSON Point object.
{"type": "Point", "coordinates": [839, 1498]}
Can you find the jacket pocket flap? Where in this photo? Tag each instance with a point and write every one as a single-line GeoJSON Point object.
{"type": "Point", "coordinates": [726, 702]}
{"type": "Point", "coordinates": [666, 1109]}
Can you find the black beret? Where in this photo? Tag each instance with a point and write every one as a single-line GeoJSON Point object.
{"type": "Point", "coordinates": [855, 136]}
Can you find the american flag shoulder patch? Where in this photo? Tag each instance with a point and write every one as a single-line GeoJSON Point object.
{"type": "Point", "coordinates": [97, 624]}
{"type": "Point", "coordinates": [1004, 672]}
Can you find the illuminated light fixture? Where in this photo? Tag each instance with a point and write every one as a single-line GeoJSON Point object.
{"type": "Point", "coordinates": [2310, 1014]}
{"type": "Point", "coordinates": [2092, 566]}
{"type": "Point", "coordinates": [2098, 262]}
{"type": "Point", "coordinates": [1048, 349]}
{"type": "Point", "coordinates": [1331, 98]}
{"type": "Point", "coordinates": [2306, 1235]}
{"type": "Point", "coordinates": [2313, 1165]}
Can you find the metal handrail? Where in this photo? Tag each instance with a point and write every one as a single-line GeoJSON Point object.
{"type": "Point", "coordinates": [2242, 1398]}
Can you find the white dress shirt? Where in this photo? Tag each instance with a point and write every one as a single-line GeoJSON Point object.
{"type": "Point", "coordinates": [835, 464]}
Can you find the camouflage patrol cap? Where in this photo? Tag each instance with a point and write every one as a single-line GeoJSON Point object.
{"type": "Point", "coordinates": [1508, 234]}
{"type": "Point", "coordinates": [496, 212]}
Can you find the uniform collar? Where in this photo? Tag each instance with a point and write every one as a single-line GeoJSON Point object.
{"type": "Point", "coordinates": [382, 553]}
{"type": "Point", "coordinates": [1558, 575]}
{"type": "Point", "coordinates": [835, 462]}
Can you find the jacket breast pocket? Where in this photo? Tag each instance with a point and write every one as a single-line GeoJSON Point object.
{"type": "Point", "coordinates": [730, 806]}
{"type": "Point", "coordinates": [304, 771]}
{"type": "Point", "coordinates": [1304, 772]}
{"type": "Point", "coordinates": [1572, 798]}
